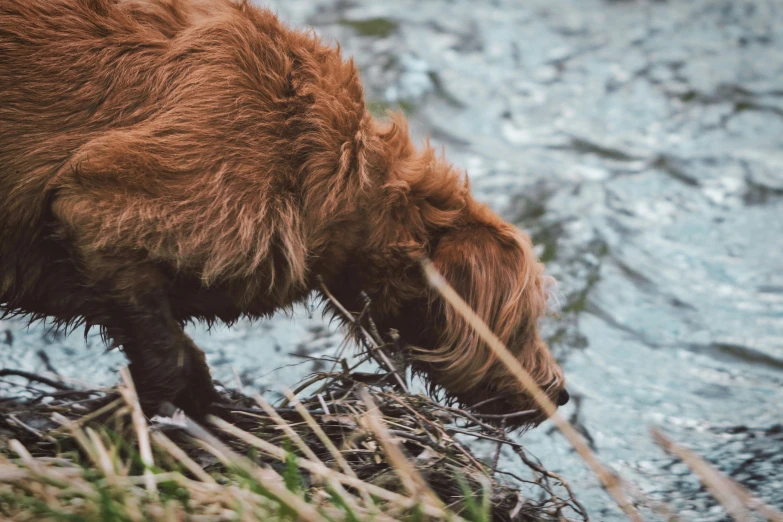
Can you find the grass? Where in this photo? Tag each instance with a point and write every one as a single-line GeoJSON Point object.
{"type": "Point", "coordinates": [380, 108]}
{"type": "Point", "coordinates": [376, 455]}
{"type": "Point", "coordinates": [346, 447]}
{"type": "Point", "coordinates": [267, 472]}
{"type": "Point", "coordinates": [374, 27]}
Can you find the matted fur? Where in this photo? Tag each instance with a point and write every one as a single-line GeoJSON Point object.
{"type": "Point", "coordinates": [172, 160]}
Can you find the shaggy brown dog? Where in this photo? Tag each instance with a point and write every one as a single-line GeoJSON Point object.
{"type": "Point", "coordinates": [170, 160]}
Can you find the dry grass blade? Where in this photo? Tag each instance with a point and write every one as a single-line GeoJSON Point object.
{"type": "Point", "coordinates": [268, 478]}
{"type": "Point", "coordinates": [609, 480]}
{"type": "Point", "coordinates": [140, 424]}
{"type": "Point", "coordinates": [78, 435]}
{"type": "Point", "coordinates": [735, 499]}
{"type": "Point", "coordinates": [104, 459]}
{"type": "Point", "coordinates": [321, 470]}
{"type": "Point", "coordinates": [409, 475]}
{"type": "Point", "coordinates": [180, 456]}
{"type": "Point", "coordinates": [39, 469]}
{"type": "Point", "coordinates": [20, 450]}
{"type": "Point", "coordinates": [94, 414]}
{"type": "Point", "coordinates": [338, 457]}
{"type": "Point", "coordinates": [304, 448]}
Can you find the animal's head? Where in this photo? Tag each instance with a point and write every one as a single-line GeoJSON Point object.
{"type": "Point", "coordinates": [426, 210]}
{"type": "Point", "coordinates": [492, 266]}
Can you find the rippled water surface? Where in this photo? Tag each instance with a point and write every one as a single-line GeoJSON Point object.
{"type": "Point", "coordinates": [640, 143]}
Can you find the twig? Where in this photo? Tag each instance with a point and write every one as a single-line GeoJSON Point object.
{"type": "Point", "coordinates": [373, 327]}
{"type": "Point", "coordinates": [140, 424]}
{"type": "Point", "coordinates": [409, 476]}
{"type": "Point", "coordinates": [580, 508]}
{"type": "Point", "coordinates": [496, 458]}
{"type": "Point", "coordinates": [30, 376]}
{"type": "Point", "coordinates": [503, 417]}
{"type": "Point", "coordinates": [94, 414]}
{"type": "Point", "coordinates": [319, 432]}
{"type": "Point", "coordinates": [175, 451]}
{"type": "Point", "coordinates": [24, 426]}
{"type": "Point", "coordinates": [323, 404]}
{"type": "Point", "coordinates": [375, 343]}
{"type": "Point", "coordinates": [443, 432]}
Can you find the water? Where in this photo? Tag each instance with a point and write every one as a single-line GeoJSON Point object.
{"type": "Point", "coordinates": [640, 143]}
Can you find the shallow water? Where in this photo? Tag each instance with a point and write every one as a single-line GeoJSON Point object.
{"type": "Point", "coordinates": [640, 143]}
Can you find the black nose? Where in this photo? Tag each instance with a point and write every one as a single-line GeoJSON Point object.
{"type": "Point", "coordinates": [562, 397]}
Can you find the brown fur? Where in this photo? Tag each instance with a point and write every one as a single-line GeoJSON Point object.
{"type": "Point", "coordinates": [169, 160]}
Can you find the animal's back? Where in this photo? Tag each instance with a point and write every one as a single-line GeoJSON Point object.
{"type": "Point", "coordinates": [159, 127]}
{"type": "Point", "coordinates": [68, 73]}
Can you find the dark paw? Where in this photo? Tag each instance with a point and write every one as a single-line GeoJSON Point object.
{"type": "Point", "coordinates": [196, 399]}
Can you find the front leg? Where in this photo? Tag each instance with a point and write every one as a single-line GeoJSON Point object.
{"type": "Point", "coordinates": [165, 364]}
{"type": "Point", "coordinates": [124, 228]}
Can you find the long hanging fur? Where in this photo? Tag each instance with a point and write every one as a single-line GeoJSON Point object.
{"type": "Point", "coordinates": [172, 160]}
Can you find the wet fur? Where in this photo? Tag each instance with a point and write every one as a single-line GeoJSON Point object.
{"type": "Point", "coordinates": [171, 160]}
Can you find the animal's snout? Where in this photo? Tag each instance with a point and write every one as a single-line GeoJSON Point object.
{"type": "Point", "coordinates": [562, 397]}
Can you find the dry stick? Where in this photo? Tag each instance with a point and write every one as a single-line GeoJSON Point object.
{"type": "Point", "coordinates": [78, 434]}
{"type": "Point", "coordinates": [140, 424]}
{"type": "Point", "coordinates": [305, 384]}
{"type": "Point", "coordinates": [374, 343]}
{"type": "Point", "coordinates": [323, 404]}
{"type": "Point", "coordinates": [546, 474]}
{"type": "Point", "coordinates": [92, 415]}
{"type": "Point", "coordinates": [56, 384]}
{"type": "Point", "coordinates": [104, 460]}
{"type": "Point", "coordinates": [610, 481]}
{"type": "Point", "coordinates": [40, 471]}
{"type": "Point", "coordinates": [175, 451]}
{"type": "Point", "coordinates": [502, 438]}
{"type": "Point", "coordinates": [15, 420]}
{"type": "Point", "coordinates": [519, 450]}
{"type": "Point", "coordinates": [268, 478]}
{"type": "Point", "coordinates": [496, 458]}
{"type": "Point", "coordinates": [443, 432]}
{"type": "Point", "coordinates": [735, 498]}
{"type": "Point", "coordinates": [308, 452]}
{"type": "Point", "coordinates": [321, 470]}
{"type": "Point", "coordinates": [409, 476]}
{"type": "Point", "coordinates": [326, 441]}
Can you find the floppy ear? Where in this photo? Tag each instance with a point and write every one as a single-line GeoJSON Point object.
{"type": "Point", "coordinates": [419, 195]}
{"type": "Point", "coordinates": [496, 272]}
